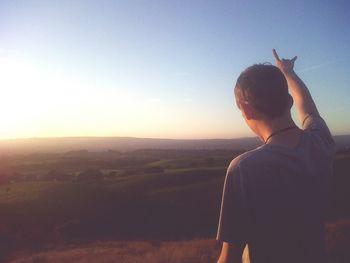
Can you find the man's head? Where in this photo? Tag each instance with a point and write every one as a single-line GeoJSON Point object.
{"type": "Point", "coordinates": [262, 94]}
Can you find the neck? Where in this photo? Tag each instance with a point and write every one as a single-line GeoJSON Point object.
{"type": "Point", "coordinates": [266, 128]}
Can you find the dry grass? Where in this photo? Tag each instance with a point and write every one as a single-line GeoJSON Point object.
{"type": "Point", "coordinates": [201, 251]}
{"type": "Point", "coordinates": [193, 251]}
{"type": "Point", "coordinates": [338, 241]}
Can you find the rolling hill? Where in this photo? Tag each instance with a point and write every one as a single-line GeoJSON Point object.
{"type": "Point", "coordinates": [64, 144]}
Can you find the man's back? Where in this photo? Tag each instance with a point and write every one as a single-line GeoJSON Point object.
{"type": "Point", "coordinates": [275, 197]}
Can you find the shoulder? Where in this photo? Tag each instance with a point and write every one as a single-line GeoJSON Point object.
{"type": "Point", "coordinates": [247, 159]}
{"type": "Point", "coordinates": [238, 171]}
{"type": "Point", "coordinates": [315, 127]}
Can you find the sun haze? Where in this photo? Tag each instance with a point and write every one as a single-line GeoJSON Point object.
{"type": "Point", "coordinates": [161, 69]}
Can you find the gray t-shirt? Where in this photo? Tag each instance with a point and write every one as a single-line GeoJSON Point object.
{"type": "Point", "coordinates": [274, 198]}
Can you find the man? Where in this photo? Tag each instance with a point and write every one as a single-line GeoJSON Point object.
{"type": "Point", "coordinates": [274, 196]}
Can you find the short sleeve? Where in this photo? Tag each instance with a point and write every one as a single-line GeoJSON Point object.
{"type": "Point", "coordinates": [315, 124]}
{"type": "Point", "coordinates": [232, 222]}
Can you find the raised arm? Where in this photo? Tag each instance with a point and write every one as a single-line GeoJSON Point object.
{"type": "Point", "coordinates": [302, 98]}
{"type": "Point", "coordinates": [231, 253]}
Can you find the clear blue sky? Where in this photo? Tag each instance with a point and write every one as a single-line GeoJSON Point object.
{"type": "Point", "coordinates": [160, 68]}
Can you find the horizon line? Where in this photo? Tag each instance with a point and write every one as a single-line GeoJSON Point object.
{"type": "Point", "coordinates": [123, 137]}
{"type": "Point", "coordinates": [134, 137]}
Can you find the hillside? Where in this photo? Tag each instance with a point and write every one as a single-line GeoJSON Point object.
{"type": "Point", "coordinates": [50, 200]}
{"type": "Point", "coordinates": [64, 144]}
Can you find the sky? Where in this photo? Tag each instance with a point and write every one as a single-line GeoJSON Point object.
{"type": "Point", "coordinates": [160, 68]}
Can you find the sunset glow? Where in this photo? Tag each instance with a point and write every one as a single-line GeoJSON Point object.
{"type": "Point", "coordinates": [160, 69]}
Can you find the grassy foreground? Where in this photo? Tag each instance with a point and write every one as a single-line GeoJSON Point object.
{"type": "Point", "coordinates": [53, 205]}
{"type": "Point", "coordinates": [190, 251]}
{"type": "Point", "coordinates": [193, 251]}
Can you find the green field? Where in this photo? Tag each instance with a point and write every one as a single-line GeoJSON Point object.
{"type": "Point", "coordinates": [80, 198]}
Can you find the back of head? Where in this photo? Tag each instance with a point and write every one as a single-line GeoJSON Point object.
{"type": "Point", "coordinates": [265, 88]}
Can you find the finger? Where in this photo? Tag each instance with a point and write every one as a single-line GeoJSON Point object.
{"type": "Point", "coordinates": [294, 59]}
{"type": "Point", "coordinates": [276, 55]}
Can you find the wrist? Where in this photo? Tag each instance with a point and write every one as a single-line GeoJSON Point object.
{"type": "Point", "coordinates": [289, 73]}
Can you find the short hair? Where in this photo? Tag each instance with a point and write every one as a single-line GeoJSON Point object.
{"type": "Point", "coordinates": [264, 87]}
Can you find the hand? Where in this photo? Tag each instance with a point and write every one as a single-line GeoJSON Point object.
{"type": "Point", "coordinates": [285, 65]}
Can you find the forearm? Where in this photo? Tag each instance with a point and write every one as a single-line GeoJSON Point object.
{"type": "Point", "coordinates": [235, 260]}
{"type": "Point", "coordinates": [301, 95]}
{"type": "Point", "coordinates": [231, 253]}
{"type": "Point", "coordinates": [303, 101]}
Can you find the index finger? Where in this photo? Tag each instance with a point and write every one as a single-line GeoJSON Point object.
{"type": "Point", "coordinates": [276, 55]}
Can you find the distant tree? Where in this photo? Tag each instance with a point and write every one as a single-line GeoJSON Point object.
{"type": "Point", "coordinates": [210, 161]}
{"type": "Point", "coordinates": [114, 152]}
{"type": "Point", "coordinates": [343, 151]}
{"type": "Point", "coordinates": [90, 174]}
{"type": "Point", "coordinates": [192, 164]}
{"type": "Point", "coordinates": [56, 175]}
{"type": "Point", "coordinates": [111, 174]}
{"type": "Point", "coordinates": [132, 171]}
{"type": "Point", "coordinates": [66, 231]}
{"type": "Point", "coordinates": [153, 169]}
{"type": "Point", "coordinates": [16, 177]}
{"type": "Point", "coordinates": [4, 178]}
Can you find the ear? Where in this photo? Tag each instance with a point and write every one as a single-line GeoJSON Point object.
{"type": "Point", "coordinates": [247, 111]}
